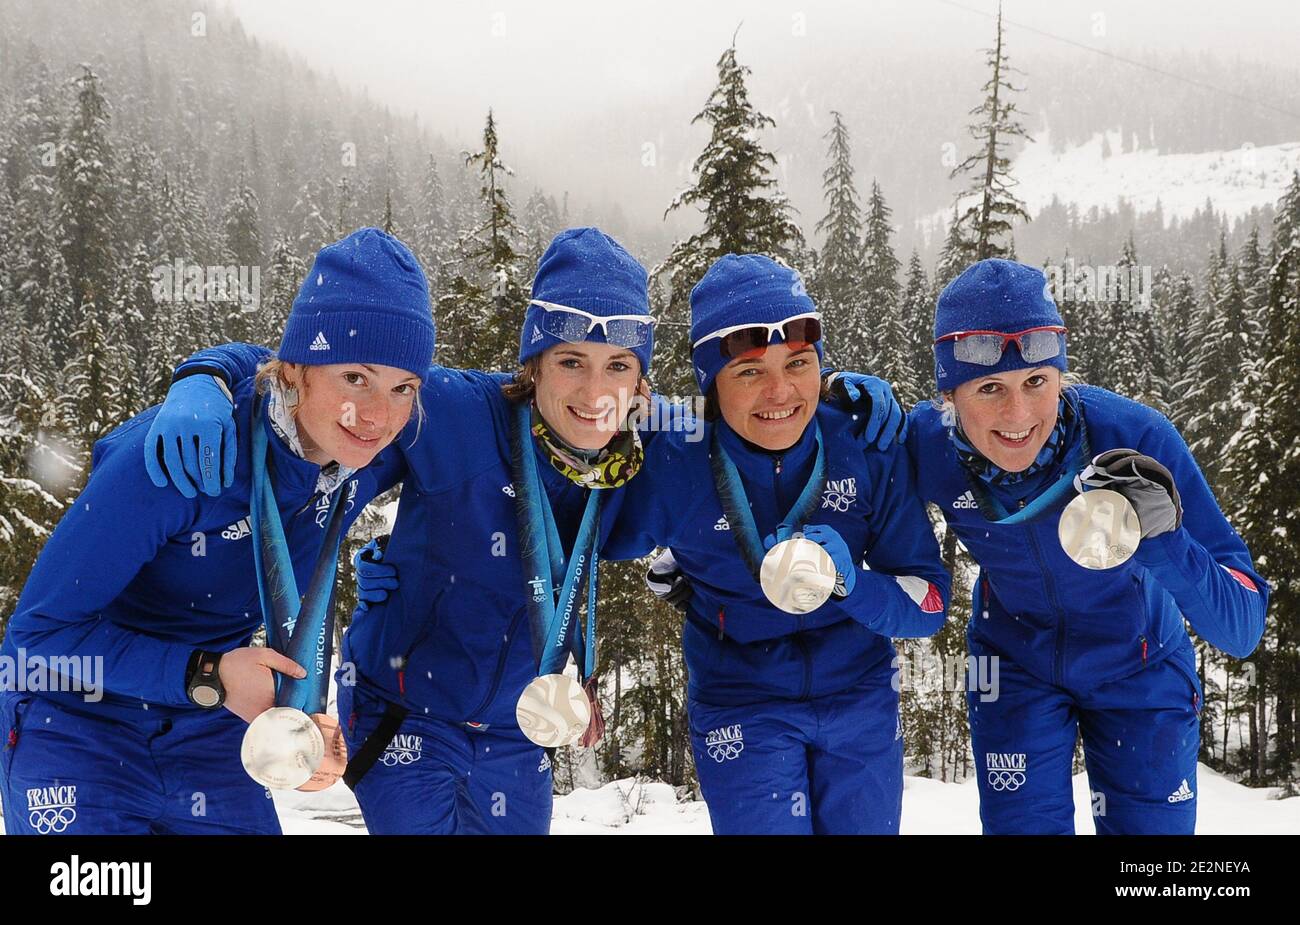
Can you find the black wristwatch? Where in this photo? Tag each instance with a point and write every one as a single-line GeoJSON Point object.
{"type": "Point", "coordinates": [202, 682]}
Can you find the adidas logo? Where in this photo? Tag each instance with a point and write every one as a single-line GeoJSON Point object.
{"type": "Point", "coordinates": [508, 489]}
{"type": "Point", "coordinates": [237, 531]}
{"type": "Point", "coordinates": [1182, 794]}
{"type": "Point", "coordinates": [722, 523]}
{"type": "Point", "coordinates": [537, 335]}
{"type": "Point", "coordinates": [320, 343]}
{"type": "Point", "coordinates": [965, 503]}
{"type": "Point", "coordinates": [940, 371]}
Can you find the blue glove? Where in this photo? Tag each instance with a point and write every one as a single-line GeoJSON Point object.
{"type": "Point", "coordinates": [783, 533]}
{"type": "Point", "coordinates": [874, 398]}
{"type": "Point", "coordinates": [829, 539]}
{"type": "Point", "coordinates": [375, 577]}
{"type": "Point", "coordinates": [192, 438]}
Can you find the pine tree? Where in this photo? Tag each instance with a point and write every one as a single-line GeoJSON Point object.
{"type": "Point", "coordinates": [956, 254]}
{"type": "Point", "coordinates": [283, 279]}
{"type": "Point", "coordinates": [744, 212]}
{"type": "Point", "coordinates": [879, 316]}
{"type": "Point", "coordinates": [243, 224]}
{"type": "Point", "coordinates": [1178, 317]}
{"type": "Point", "coordinates": [40, 295]}
{"type": "Point", "coordinates": [345, 200]}
{"type": "Point", "coordinates": [917, 306]}
{"type": "Point", "coordinates": [91, 397]}
{"type": "Point", "coordinates": [1264, 471]}
{"type": "Point", "coordinates": [432, 229]}
{"type": "Point", "coordinates": [541, 224]}
{"type": "Point", "coordinates": [1219, 366]}
{"type": "Point", "coordinates": [838, 282]}
{"type": "Point", "coordinates": [988, 220]}
{"type": "Point", "coordinates": [1136, 368]}
{"type": "Point", "coordinates": [1254, 281]}
{"type": "Point", "coordinates": [87, 206]}
{"type": "Point", "coordinates": [483, 304]}
{"type": "Point", "coordinates": [134, 313]}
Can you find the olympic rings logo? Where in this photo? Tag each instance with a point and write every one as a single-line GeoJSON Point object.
{"type": "Point", "coordinates": [837, 502]}
{"type": "Point", "coordinates": [393, 758]}
{"type": "Point", "coordinates": [725, 751]}
{"type": "Point", "coordinates": [1006, 780]}
{"type": "Point", "coordinates": [54, 819]}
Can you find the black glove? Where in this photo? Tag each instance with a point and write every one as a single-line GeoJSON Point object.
{"type": "Point", "coordinates": [665, 579]}
{"type": "Point", "coordinates": [1147, 485]}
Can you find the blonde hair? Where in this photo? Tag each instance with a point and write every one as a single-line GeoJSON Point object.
{"type": "Point", "coordinates": [273, 369]}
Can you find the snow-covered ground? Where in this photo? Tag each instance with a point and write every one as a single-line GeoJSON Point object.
{"type": "Point", "coordinates": [930, 807]}
{"type": "Point", "coordinates": [1236, 180]}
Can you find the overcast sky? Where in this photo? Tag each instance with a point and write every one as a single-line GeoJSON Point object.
{"type": "Point", "coordinates": [556, 73]}
{"type": "Point", "coordinates": [534, 61]}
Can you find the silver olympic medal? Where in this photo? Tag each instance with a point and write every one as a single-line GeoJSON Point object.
{"type": "Point", "coordinates": [797, 575]}
{"type": "Point", "coordinates": [1099, 529]}
{"type": "Point", "coordinates": [282, 748]}
{"type": "Point", "coordinates": [553, 710]}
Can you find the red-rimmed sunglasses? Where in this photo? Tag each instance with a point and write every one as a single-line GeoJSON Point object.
{"type": "Point", "coordinates": [985, 348]}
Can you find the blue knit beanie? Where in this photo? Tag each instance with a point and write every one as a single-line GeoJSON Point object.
{"type": "Point", "coordinates": [741, 289]}
{"type": "Point", "coordinates": [365, 301]}
{"type": "Point", "coordinates": [993, 295]}
{"type": "Point", "coordinates": [585, 268]}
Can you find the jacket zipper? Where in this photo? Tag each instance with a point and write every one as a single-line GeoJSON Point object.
{"type": "Point", "coordinates": [806, 688]}
{"type": "Point", "coordinates": [501, 666]}
{"type": "Point", "coordinates": [1057, 667]}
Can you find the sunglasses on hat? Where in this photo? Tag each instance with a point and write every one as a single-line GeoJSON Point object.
{"type": "Point", "coordinates": [798, 332]}
{"type": "Point", "coordinates": [985, 348]}
{"type": "Point", "coordinates": [573, 325]}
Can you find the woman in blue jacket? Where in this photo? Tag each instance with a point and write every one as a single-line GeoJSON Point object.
{"type": "Point", "coordinates": [794, 716]}
{"type": "Point", "coordinates": [433, 672]}
{"type": "Point", "coordinates": [1097, 652]}
{"type": "Point", "coordinates": [135, 678]}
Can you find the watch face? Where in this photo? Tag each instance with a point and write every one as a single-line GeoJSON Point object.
{"type": "Point", "coordinates": [206, 696]}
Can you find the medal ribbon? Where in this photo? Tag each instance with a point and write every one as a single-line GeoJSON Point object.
{"type": "Point", "coordinates": [735, 505]}
{"type": "Point", "coordinates": [300, 628]}
{"type": "Point", "coordinates": [543, 558]}
{"type": "Point", "coordinates": [996, 511]}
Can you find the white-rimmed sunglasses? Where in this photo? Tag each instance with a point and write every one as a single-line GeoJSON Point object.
{"type": "Point", "coordinates": [798, 331]}
{"type": "Point", "coordinates": [573, 325]}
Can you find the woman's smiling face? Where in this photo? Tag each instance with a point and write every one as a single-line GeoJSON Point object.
{"type": "Point", "coordinates": [1008, 416]}
{"type": "Point", "coordinates": [584, 391]}
{"type": "Point", "coordinates": [769, 395]}
{"type": "Point", "coordinates": [348, 412]}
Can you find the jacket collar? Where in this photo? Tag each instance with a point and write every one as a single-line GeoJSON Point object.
{"type": "Point", "coordinates": [759, 467]}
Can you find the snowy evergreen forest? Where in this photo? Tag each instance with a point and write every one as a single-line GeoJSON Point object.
{"type": "Point", "coordinates": [130, 142]}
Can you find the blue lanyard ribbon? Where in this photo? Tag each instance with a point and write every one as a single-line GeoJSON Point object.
{"type": "Point", "coordinates": [994, 510]}
{"type": "Point", "coordinates": [735, 505]}
{"type": "Point", "coordinates": [543, 559]}
{"type": "Point", "coordinates": [299, 628]}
